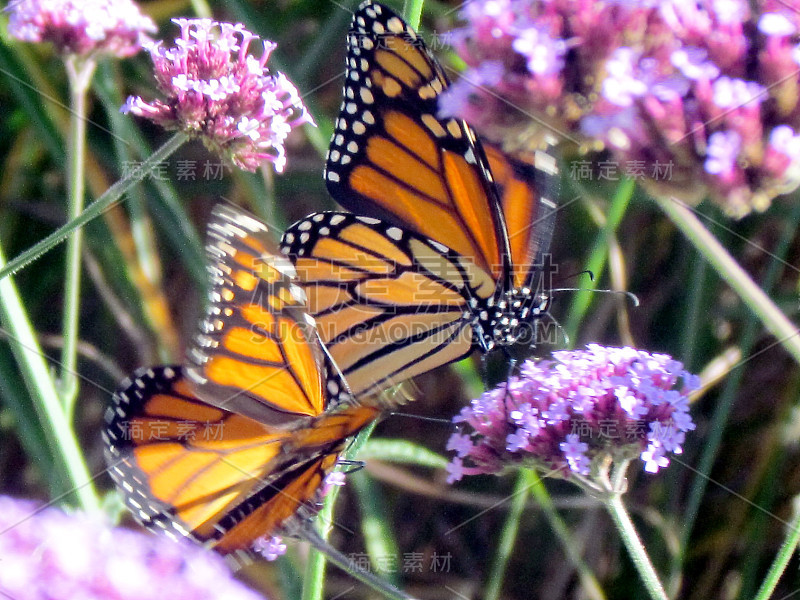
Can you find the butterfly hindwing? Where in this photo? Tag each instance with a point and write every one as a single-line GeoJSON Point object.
{"type": "Point", "coordinates": [528, 186]}
{"type": "Point", "coordinates": [221, 478]}
{"type": "Point", "coordinates": [173, 456]}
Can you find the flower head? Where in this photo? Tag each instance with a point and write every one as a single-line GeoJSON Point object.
{"type": "Point", "coordinates": [47, 553]}
{"type": "Point", "coordinates": [332, 480]}
{"type": "Point", "coordinates": [81, 27]}
{"type": "Point", "coordinates": [218, 91]}
{"type": "Point", "coordinates": [270, 548]}
{"type": "Point", "coordinates": [686, 93]}
{"type": "Point", "coordinates": [569, 414]}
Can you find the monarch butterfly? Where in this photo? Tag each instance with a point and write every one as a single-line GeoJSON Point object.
{"type": "Point", "coordinates": [229, 447]}
{"type": "Point", "coordinates": [447, 253]}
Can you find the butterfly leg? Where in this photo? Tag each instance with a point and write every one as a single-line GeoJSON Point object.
{"type": "Point", "coordinates": [485, 370]}
{"type": "Point", "coordinates": [512, 364]}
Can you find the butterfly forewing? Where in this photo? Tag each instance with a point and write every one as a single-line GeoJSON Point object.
{"type": "Point", "coordinates": [392, 158]}
{"type": "Point", "coordinates": [257, 352]}
{"type": "Point", "coordinates": [230, 447]}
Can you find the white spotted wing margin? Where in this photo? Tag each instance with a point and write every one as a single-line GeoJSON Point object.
{"type": "Point", "coordinates": [244, 358]}
{"type": "Point", "coordinates": [122, 433]}
{"type": "Point", "coordinates": [388, 304]}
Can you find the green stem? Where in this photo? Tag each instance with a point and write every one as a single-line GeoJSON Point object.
{"type": "Point", "coordinates": [314, 579]}
{"type": "Point", "coordinates": [508, 536]}
{"type": "Point", "coordinates": [529, 482]}
{"type": "Point", "coordinates": [641, 561]}
{"type": "Point", "coordinates": [598, 257]}
{"type": "Point", "coordinates": [80, 75]}
{"type": "Point", "coordinates": [35, 371]}
{"type": "Point", "coordinates": [379, 539]}
{"type": "Point", "coordinates": [202, 9]}
{"type": "Point", "coordinates": [340, 560]}
{"type": "Point", "coordinates": [96, 208]}
{"type": "Point", "coordinates": [588, 579]}
{"type": "Point", "coordinates": [730, 391]}
{"type": "Point", "coordinates": [691, 321]}
{"type": "Point", "coordinates": [784, 556]}
{"type": "Point", "coordinates": [733, 274]}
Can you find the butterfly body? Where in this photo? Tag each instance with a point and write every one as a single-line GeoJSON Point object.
{"type": "Point", "coordinates": [466, 224]}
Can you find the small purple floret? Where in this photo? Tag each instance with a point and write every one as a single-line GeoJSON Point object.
{"type": "Point", "coordinates": [270, 548]}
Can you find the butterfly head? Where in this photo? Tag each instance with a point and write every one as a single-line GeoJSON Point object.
{"type": "Point", "coordinates": [511, 319]}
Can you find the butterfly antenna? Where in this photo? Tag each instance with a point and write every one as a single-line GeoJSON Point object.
{"type": "Point", "coordinates": [630, 295]}
{"type": "Point", "coordinates": [633, 297]}
{"type": "Point", "coordinates": [419, 417]}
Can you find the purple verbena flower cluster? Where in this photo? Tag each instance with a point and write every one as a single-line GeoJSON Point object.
{"type": "Point", "coordinates": [218, 91]}
{"type": "Point", "coordinates": [565, 414]}
{"type": "Point", "coordinates": [46, 553]}
{"type": "Point", "coordinates": [692, 98]}
{"type": "Point", "coordinates": [81, 28]}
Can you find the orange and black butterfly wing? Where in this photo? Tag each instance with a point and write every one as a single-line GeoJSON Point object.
{"type": "Point", "coordinates": [392, 158]}
{"type": "Point", "coordinates": [183, 465]}
{"type": "Point", "coordinates": [229, 448]}
{"type": "Point", "coordinates": [197, 470]}
{"type": "Point", "coordinates": [388, 304]}
{"type": "Point", "coordinates": [528, 187]}
{"type": "Point", "coordinates": [257, 352]}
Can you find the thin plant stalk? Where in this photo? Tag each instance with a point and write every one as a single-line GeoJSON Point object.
{"type": "Point", "coordinates": [732, 273]}
{"type": "Point", "coordinates": [364, 576]}
{"type": "Point", "coordinates": [96, 208]}
{"type": "Point", "coordinates": [376, 526]}
{"type": "Point", "coordinates": [314, 578]}
{"type": "Point", "coordinates": [616, 508]}
{"type": "Point", "coordinates": [785, 554]}
{"type": "Point", "coordinates": [508, 536]}
{"type": "Point", "coordinates": [598, 257]}
{"type": "Point", "coordinates": [732, 384]}
{"type": "Point", "coordinates": [80, 74]}
{"type": "Point", "coordinates": [591, 586]}
{"type": "Point", "coordinates": [529, 483]}
{"type": "Point", "coordinates": [39, 381]}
